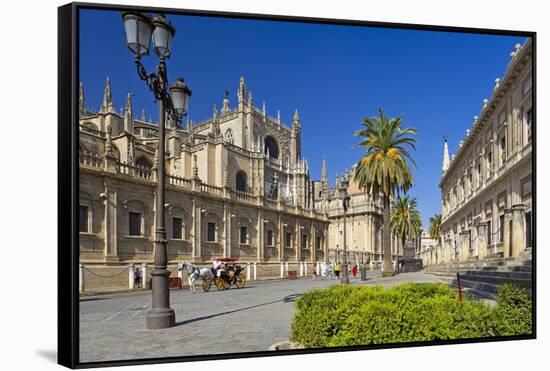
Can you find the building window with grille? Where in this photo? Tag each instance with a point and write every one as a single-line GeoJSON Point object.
{"type": "Point", "coordinates": [288, 239]}
{"type": "Point", "coordinates": [304, 241]}
{"type": "Point", "coordinates": [270, 238]}
{"type": "Point", "coordinates": [177, 230]}
{"type": "Point", "coordinates": [241, 181]}
{"type": "Point", "coordinates": [501, 228]}
{"type": "Point", "coordinates": [318, 243]}
{"type": "Point", "coordinates": [243, 235]}
{"type": "Point", "coordinates": [83, 219]}
{"type": "Point", "coordinates": [503, 149]}
{"type": "Point", "coordinates": [134, 220]}
{"type": "Point", "coordinates": [528, 230]}
{"type": "Point", "coordinates": [211, 232]}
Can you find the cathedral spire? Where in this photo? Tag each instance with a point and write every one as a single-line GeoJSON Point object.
{"type": "Point", "coordinates": [81, 100]}
{"type": "Point", "coordinates": [240, 94]}
{"type": "Point", "coordinates": [296, 120]}
{"type": "Point", "coordinates": [446, 162]}
{"type": "Point", "coordinates": [128, 115]}
{"type": "Point", "coordinates": [324, 177]}
{"type": "Point", "coordinates": [107, 106]}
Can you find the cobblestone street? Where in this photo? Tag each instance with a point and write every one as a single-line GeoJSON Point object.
{"type": "Point", "coordinates": [250, 319]}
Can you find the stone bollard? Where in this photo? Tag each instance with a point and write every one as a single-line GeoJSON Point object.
{"type": "Point", "coordinates": [81, 277]}
{"type": "Point", "coordinates": [255, 271]}
{"type": "Point", "coordinates": [305, 269]}
{"type": "Point", "coordinates": [144, 275]}
{"type": "Point", "coordinates": [248, 271]}
{"type": "Point", "coordinates": [282, 270]}
{"type": "Point", "coordinates": [286, 269]}
{"type": "Point", "coordinates": [131, 283]}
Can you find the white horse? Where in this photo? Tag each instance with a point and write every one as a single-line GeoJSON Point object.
{"type": "Point", "coordinates": [194, 273]}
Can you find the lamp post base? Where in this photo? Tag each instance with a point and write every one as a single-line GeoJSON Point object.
{"type": "Point", "coordinates": [160, 318]}
{"type": "Point", "coordinates": [161, 315]}
{"type": "Point", "coordinates": [387, 274]}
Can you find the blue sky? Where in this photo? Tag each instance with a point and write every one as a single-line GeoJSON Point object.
{"type": "Point", "coordinates": [334, 75]}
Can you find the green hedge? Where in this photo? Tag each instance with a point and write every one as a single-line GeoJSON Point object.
{"type": "Point", "coordinates": [351, 315]}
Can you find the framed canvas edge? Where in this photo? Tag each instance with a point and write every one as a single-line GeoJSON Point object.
{"type": "Point", "coordinates": [68, 243]}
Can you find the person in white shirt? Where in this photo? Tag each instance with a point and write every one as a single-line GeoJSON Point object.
{"type": "Point", "coordinates": [215, 266]}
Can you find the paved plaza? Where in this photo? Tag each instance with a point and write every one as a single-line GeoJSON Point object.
{"type": "Point", "coordinates": [236, 320]}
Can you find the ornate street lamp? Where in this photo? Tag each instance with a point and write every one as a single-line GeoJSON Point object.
{"type": "Point", "coordinates": [343, 192]}
{"type": "Point", "coordinates": [139, 29]}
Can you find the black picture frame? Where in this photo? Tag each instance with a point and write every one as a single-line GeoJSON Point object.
{"type": "Point", "coordinates": [68, 184]}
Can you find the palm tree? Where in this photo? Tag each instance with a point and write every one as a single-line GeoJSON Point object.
{"type": "Point", "coordinates": [384, 168]}
{"type": "Point", "coordinates": [435, 228]}
{"type": "Point", "coordinates": [405, 219]}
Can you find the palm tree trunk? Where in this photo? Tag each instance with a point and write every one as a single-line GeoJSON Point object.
{"type": "Point", "coordinates": [386, 238]}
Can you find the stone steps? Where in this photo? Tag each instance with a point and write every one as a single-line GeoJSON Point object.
{"type": "Point", "coordinates": [482, 278]}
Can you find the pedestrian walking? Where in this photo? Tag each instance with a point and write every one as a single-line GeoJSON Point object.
{"type": "Point", "coordinates": [314, 271]}
{"type": "Point", "coordinates": [324, 271]}
{"type": "Point", "coordinates": [137, 278]}
{"type": "Point", "coordinates": [337, 269]}
{"type": "Point", "coordinates": [354, 271]}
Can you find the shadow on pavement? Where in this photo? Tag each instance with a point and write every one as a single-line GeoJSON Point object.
{"type": "Point", "coordinates": [287, 299]}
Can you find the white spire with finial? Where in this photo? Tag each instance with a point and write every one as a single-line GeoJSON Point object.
{"type": "Point", "coordinates": [225, 106]}
{"type": "Point", "coordinates": [278, 117]}
{"type": "Point", "coordinates": [264, 113]}
{"type": "Point", "coordinates": [107, 106]}
{"type": "Point", "coordinates": [446, 161]}
{"type": "Point", "coordinates": [324, 177]}
{"type": "Point", "coordinates": [497, 83]}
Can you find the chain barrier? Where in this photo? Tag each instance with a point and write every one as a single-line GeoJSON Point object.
{"type": "Point", "coordinates": [125, 270]}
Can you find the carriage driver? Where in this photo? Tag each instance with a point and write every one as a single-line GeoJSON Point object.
{"type": "Point", "coordinates": [215, 266]}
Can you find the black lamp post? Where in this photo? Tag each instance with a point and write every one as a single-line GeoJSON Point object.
{"type": "Point", "coordinates": [343, 191]}
{"type": "Point", "coordinates": [139, 29]}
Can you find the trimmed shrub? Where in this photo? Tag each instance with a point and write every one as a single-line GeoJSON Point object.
{"type": "Point", "coordinates": [350, 315]}
{"type": "Point", "coordinates": [514, 307]}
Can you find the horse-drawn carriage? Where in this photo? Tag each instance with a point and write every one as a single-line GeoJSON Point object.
{"type": "Point", "coordinates": [227, 276]}
{"type": "Point", "coordinates": [223, 278]}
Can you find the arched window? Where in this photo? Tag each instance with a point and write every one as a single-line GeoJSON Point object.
{"type": "Point", "coordinates": [271, 145]}
{"type": "Point", "coordinates": [241, 181]}
{"type": "Point", "coordinates": [229, 136]}
{"type": "Point", "coordinates": [144, 162]}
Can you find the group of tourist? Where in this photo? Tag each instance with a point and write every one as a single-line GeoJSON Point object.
{"type": "Point", "coordinates": [332, 270]}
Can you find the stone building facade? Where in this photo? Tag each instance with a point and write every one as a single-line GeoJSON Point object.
{"type": "Point", "coordinates": [364, 220]}
{"type": "Point", "coordinates": [427, 248]}
{"type": "Point", "coordinates": [486, 188]}
{"type": "Point", "coordinates": [237, 186]}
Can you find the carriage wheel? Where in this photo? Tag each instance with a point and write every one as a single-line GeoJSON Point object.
{"type": "Point", "coordinates": [206, 284]}
{"type": "Point", "coordinates": [220, 283]}
{"type": "Point", "coordinates": [240, 281]}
